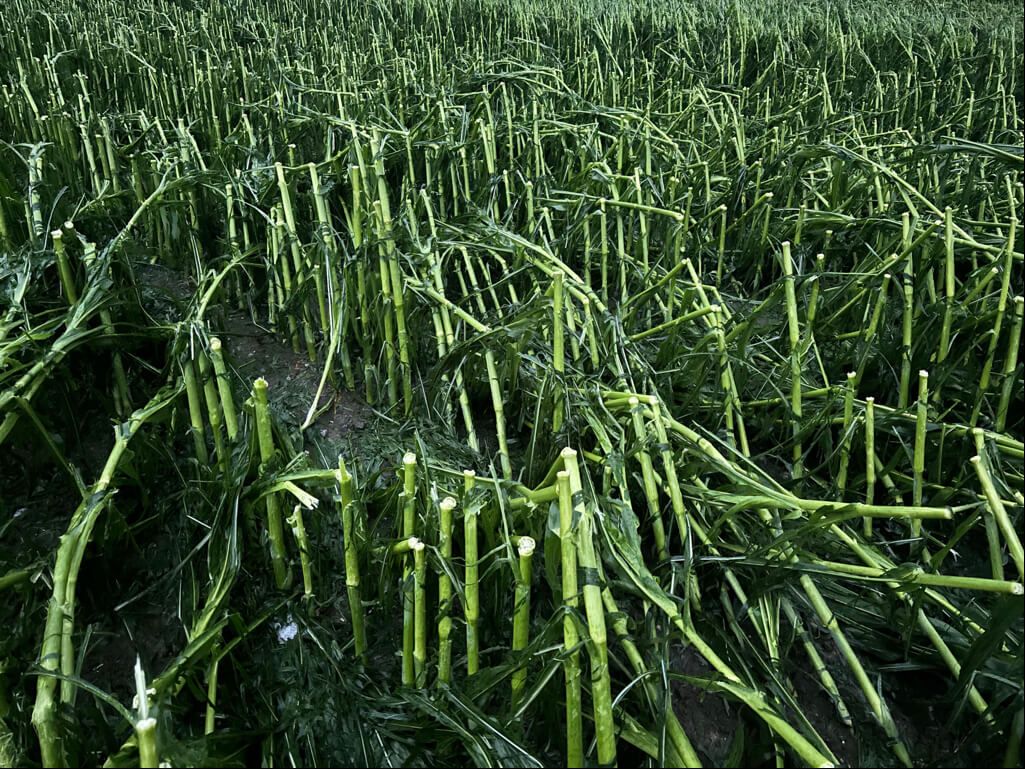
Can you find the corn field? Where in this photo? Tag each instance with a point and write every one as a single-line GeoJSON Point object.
{"type": "Point", "coordinates": [511, 383]}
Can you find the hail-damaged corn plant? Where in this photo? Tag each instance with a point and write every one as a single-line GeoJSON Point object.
{"type": "Point", "coordinates": [511, 383]}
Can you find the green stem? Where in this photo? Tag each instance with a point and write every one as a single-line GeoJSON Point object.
{"type": "Point", "coordinates": [295, 521]}
{"type": "Point", "coordinates": [648, 474]}
{"type": "Point", "coordinates": [211, 693]}
{"type": "Point", "coordinates": [213, 409]}
{"type": "Point", "coordinates": [793, 325]}
{"type": "Point", "coordinates": [996, 507]}
{"type": "Point", "coordinates": [521, 616]}
{"type": "Point", "coordinates": [1010, 364]}
{"type": "Point", "coordinates": [601, 685]}
{"type": "Point", "coordinates": [224, 388]}
{"type": "Point", "coordinates": [146, 734]}
{"type": "Point", "coordinates": [471, 610]}
{"type": "Point", "coordinates": [448, 504]}
{"type": "Point", "coordinates": [845, 438]}
{"type": "Point", "coordinates": [571, 663]}
{"type": "Point", "coordinates": [346, 506]}
{"type": "Point", "coordinates": [918, 459]}
{"type": "Point", "coordinates": [64, 267]}
{"type": "Point", "coordinates": [195, 412]}
{"type": "Point", "coordinates": [870, 465]}
{"type": "Point", "coordinates": [408, 607]}
{"type": "Point", "coordinates": [419, 615]}
{"type": "Point", "coordinates": [499, 408]}
{"type": "Point", "coordinates": [558, 348]}
{"type": "Point", "coordinates": [275, 531]}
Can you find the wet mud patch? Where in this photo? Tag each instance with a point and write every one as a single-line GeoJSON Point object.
{"type": "Point", "coordinates": [713, 722]}
{"type": "Point", "coordinates": [922, 710]}
{"type": "Point", "coordinates": [152, 635]}
{"type": "Point", "coordinates": [919, 707]}
{"type": "Point", "coordinates": [163, 291]}
{"type": "Point", "coordinates": [370, 441]}
{"type": "Point", "coordinates": [292, 381]}
{"type": "Point", "coordinates": [707, 718]}
{"type": "Point", "coordinates": [819, 708]}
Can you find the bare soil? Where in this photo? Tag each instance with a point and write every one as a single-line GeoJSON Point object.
{"type": "Point", "coordinates": [292, 380]}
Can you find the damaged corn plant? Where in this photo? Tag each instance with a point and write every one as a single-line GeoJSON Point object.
{"type": "Point", "coordinates": [557, 383]}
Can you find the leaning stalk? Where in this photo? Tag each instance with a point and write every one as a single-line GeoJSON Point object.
{"type": "Point", "coordinates": [601, 685]}
{"type": "Point", "coordinates": [346, 506]}
{"type": "Point", "coordinates": [295, 520]}
{"type": "Point", "coordinates": [282, 574]}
